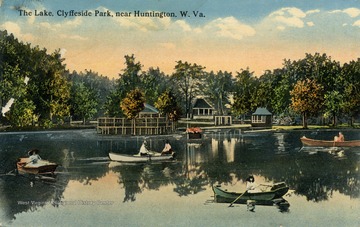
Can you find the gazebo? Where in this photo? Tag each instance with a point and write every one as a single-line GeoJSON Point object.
{"type": "Point", "coordinates": [261, 118]}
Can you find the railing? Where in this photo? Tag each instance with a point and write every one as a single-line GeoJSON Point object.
{"type": "Point", "coordinates": [141, 126]}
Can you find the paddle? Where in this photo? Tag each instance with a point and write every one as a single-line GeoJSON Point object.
{"type": "Point", "coordinates": [237, 199]}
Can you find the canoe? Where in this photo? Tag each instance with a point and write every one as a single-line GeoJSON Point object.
{"type": "Point", "coordinates": [154, 156]}
{"type": "Point", "coordinates": [41, 167]}
{"type": "Point", "coordinates": [328, 143]}
{"type": "Point", "coordinates": [275, 192]}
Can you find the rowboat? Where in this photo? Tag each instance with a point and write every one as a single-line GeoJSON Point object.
{"type": "Point", "coordinates": [153, 156]}
{"type": "Point", "coordinates": [275, 192]}
{"type": "Point", "coordinates": [193, 133]}
{"type": "Point", "coordinates": [24, 165]}
{"type": "Point", "coordinates": [329, 143]}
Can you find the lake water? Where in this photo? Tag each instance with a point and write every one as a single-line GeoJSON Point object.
{"type": "Point", "coordinates": [90, 190]}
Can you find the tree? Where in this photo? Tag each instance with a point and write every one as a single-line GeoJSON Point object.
{"type": "Point", "coordinates": [187, 79]}
{"type": "Point", "coordinates": [244, 91]}
{"type": "Point", "coordinates": [218, 88]}
{"type": "Point", "coordinates": [12, 71]}
{"type": "Point", "coordinates": [153, 83]}
{"type": "Point", "coordinates": [167, 104]}
{"type": "Point", "coordinates": [306, 98]}
{"type": "Point", "coordinates": [22, 113]}
{"type": "Point", "coordinates": [132, 104]}
{"type": "Point", "coordinates": [100, 86]}
{"type": "Point", "coordinates": [351, 82]}
{"type": "Point", "coordinates": [128, 80]}
{"type": "Point", "coordinates": [48, 87]}
{"type": "Point", "coordinates": [333, 102]}
{"type": "Point", "coordinates": [264, 90]}
{"type": "Point", "coordinates": [83, 101]}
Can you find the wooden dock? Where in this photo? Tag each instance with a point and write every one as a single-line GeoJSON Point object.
{"type": "Point", "coordinates": [142, 126]}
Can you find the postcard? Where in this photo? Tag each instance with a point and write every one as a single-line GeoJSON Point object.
{"type": "Point", "coordinates": [179, 113]}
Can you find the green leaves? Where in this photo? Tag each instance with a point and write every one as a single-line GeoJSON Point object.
{"type": "Point", "coordinates": [84, 101]}
{"type": "Point", "coordinates": [133, 103]}
{"type": "Point", "coordinates": [167, 104]}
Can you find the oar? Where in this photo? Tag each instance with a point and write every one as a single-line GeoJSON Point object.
{"type": "Point", "coordinates": [237, 199]}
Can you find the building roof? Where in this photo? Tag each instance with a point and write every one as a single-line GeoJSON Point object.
{"type": "Point", "coordinates": [201, 103]}
{"type": "Point", "coordinates": [149, 109]}
{"type": "Point", "coordinates": [261, 111]}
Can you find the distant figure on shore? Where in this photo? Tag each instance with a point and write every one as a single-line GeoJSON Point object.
{"type": "Point", "coordinates": [339, 138]}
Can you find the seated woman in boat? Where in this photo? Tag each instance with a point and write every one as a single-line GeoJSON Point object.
{"type": "Point", "coordinates": [34, 156]}
{"type": "Point", "coordinates": [167, 148]}
{"type": "Point", "coordinates": [339, 138]}
{"type": "Point", "coordinates": [251, 186]}
{"type": "Point", "coordinates": [143, 149]}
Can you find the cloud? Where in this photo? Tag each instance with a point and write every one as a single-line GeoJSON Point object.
{"type": "Point", "coordinates": [75, 22]}
{"type": "Point", "coordinates": [183, 25]}
{"type": "Point", "coordinates": [310, 24]}
{"type": "Point", "coordinates": [14, 28]}
{"type": "Point", "coordinates": [352, 12]}
{"type": "Point", "coordinates": [357, 23]}
{"type": "Point", "coordinates": [144, 24]}
{"type": "Point", "coordinates": [312, 11]}
{"type": "Point", "coordinates": [229, 27]}
{"type": "Point", "coordinates": [291, 17]}
{"type": "Point", "coordinates": [63, 52]}
{"type": "Point", "coordinates": [74, 37]}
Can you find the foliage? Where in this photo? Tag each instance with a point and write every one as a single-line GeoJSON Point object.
{"type": "Point", "coordinates": [351, 82]}
{"type": "Point", "coordinates": [153, 83]}
{"type": "Point", "coordinates": [333, 102]}
{"type": "Point", "coordinates": [244, 89]}
{"type": "Point", "coordinates": [130, 78]}
{"type": "Point", "coordinates": [83, 101]}
{"type": "Point", "coordinates": [218, 88]}
{"type": "Point", "coordinates": [187, 79]}
{"type": "Point", "coordinates": [167, 105]}
{"type": "Point", "coordinates": [306, 98]}
{"type": "Point", "coordinates": [133, 103]}
{"type": "Point", "coordinates": [12, 74]}
{"type": "Point", "coordinates": [47, 88]}
{"type": "Point", "coordinates": [99, 85]}
{"type": "Point", "coordinates": [22, 113]}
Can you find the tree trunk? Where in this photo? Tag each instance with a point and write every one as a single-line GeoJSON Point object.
{"type": "Point", "coordinates": [334, 119]}
{"type": "Point", "coordinates": [134, 126]}
{"type": "Point", "coordinates": [305, 126]}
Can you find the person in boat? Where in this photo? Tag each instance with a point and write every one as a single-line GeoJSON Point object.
{"type": "Point", "coordinates": [34, 156]}
{"type": "Point", "coordinates": [251, 186]}
{"type": "Point", "coordinates": [339, 138]}
{"type": "Point", "coordinates": [144, 149]}
{"type": "Point", "coordinates": [167, 148]}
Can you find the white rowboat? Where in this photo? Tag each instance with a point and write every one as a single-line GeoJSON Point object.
{"type": "Point", "coordinates": [153, 156]}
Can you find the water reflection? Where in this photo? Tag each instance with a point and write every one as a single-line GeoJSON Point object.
{"type": "Point", "coordinates": [225, 159]}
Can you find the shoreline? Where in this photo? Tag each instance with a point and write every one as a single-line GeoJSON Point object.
{"type": "Point", "coordinates": [245, 128]}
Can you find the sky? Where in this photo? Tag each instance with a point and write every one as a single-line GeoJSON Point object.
{"type": "Point", "coordinates": [218, 34]}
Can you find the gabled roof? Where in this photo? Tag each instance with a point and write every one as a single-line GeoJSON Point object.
{"type": "Point", "coordinates": [201, 103]}
{"type": "Point", "coordinates": [149, 109]}
{"type": "Point", "coordinates": [261, 111]}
